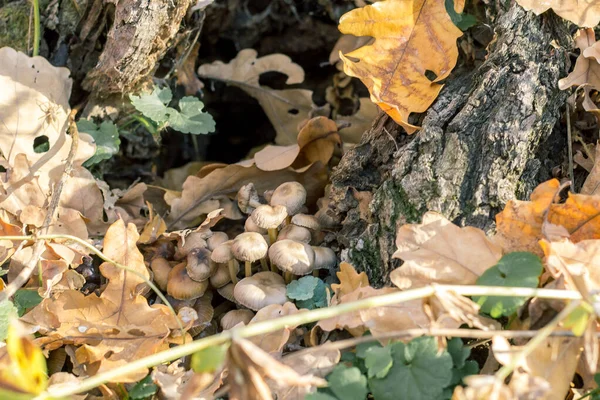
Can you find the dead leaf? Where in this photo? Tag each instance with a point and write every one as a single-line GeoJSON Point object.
{"type": "Point", "coordinates": [186, 73]}
{"type": "Point", "coordinates": [420, 38]}
{"type": "Point", "coordinates": [349, 279]}
{"type": "Point", "coordinates": [584, 13]}
{"type": "Point", "coordinates": [437, 251]}
{"type": "Point", "coordinates": [286, 109]}
{"type": "Point", "coordinates": [359, 122]}
{"type": "Point", "coordinates": [273, 342]}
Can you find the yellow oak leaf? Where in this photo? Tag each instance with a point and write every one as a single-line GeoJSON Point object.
{"type": "Point", "coordinates": [350, 280]}
{"type": "Point", "coordinates": [585, 13]}
{"type": "Point", "coordinates": [415, 49]}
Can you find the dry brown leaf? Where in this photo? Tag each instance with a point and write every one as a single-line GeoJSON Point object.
{"type": "Point", "coordinates": [286, 109]}
{"type": "Point", "coordinates": [437, 251]}
{"type": "Point", "coordinates": [360, 121]}
{"type": "Point", "coordinates": [349, 279]}
{"type": "Point", "coordinates": [587, 67]}
{"type": "Point", "coordinates": [273, 342]}
{"type": "Point", "coordinates": [228, 180]}
{"type": "Point", "coordinates": [554, 361]}
{"type": "Point", "coordinates": [584, 13]}
{"type": "Point", "coordinates": [488, 387]}
{"type": "Point", "coordinates": [421, 37]}
{"type": "Point", "coordinates": [592, 182]}
{"type": "Point", "coordinates": [114, 328]}
{"type": "Point", "coordinates": [35, 104]}
{"type": "Point", "coordinates": [186, 73]}
{"type": "Point", "coordinates": [155, 227]}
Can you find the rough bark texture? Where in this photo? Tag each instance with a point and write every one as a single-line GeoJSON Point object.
{"type": "Point", "coordinates": [483, 142]}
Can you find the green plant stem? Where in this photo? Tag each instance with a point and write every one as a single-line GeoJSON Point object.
{"type": "Point", "coordinates": [109, 260]}
{"type": "Point", "coordinates": [36, 27]}
{"type": "Point", "coordinates": [542, 335]}
{"type": "Point", "coordinates": [301, 318]}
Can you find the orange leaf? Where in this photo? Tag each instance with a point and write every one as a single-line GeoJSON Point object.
{"type": "Point", "coordinates": [585, 13]}
{"type": "Point", "coordinates": [350, 280]}
{"type": "Point", "coordinates": [420, 38]}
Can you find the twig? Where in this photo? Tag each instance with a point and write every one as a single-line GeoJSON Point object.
{"type": "Point", "coordinates": [100, 254]}
{"type": "Point", "coordinates": [570, 147]}
{"type": "Point", "coordinates": [36, 27]}
{"type": "Point", "coordinates": [264, 327]}
{"type": "Point", "coordinates": [38, 247]}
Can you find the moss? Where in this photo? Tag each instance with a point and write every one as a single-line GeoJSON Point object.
{"type": "Point", "coordinates": [14, 25]}
{"type": "Point", "coordinates": [402, 206]}
{"type": "Point", "coordinates": [366, 257]}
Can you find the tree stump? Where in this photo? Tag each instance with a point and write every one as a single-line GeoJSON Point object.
{"type": "Point", "coordinates": [483, 142]}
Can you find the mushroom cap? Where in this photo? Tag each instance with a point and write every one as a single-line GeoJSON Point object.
{"type": "Point", "coordinates": [216, 239]}
{"type": "Point", "coordinates": [181, 287]}
{"type": "Point", "coordinates": [324, 257]}
{"type": "Point", "coordinates": [250, 226]}
{"type": "Point", "coordinates": [247, 195]}
{"type": "Point", "coordinates": [291, 195]}
{"type": "Point", "coordinates": [199, 266]}
{"type": "Point", "coordinates": [325, 219]}
{"type": "Point", "coordinates": [260, 290]}
{"type": "Point", "coordinates": [269, 217]}
{"type": "Point", "coordinates": [234, 317]}
{"type": "Point", "coordinates": [291, 256]}
{"type": "Point", "coordinates": [222, 253]}
{"type": "Point", "coordinates": [192, 241]}
{"type": "Point", "coordinates": [267, 194]}
{"type": "Point", "coordinates": [160, 270]}
{"type": "Point", "coordinates": [249, 246]}
{"type": "Point", "coordinates": [295, 232]}
{"type": "Point", "coordinates": [221, 276]}
{"type": "Point", "coordinates": [163, 248]}
{"type": "Point", "coordinates": [227, 292]}
{"type": "Point", "coordinates": [306, 221]}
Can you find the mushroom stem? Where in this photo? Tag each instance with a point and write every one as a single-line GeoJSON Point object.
{"type": "Point", "coordinates": [232, 271]}
{"type": "Point", "coordinates": [272, 235]}
{"type": "Point", "coordinates": [274, 268]}
{"type": "Point", "coordinates": [288, 219]}
{"type": "Point", "coordinates": [263, 262]}
{"type": "Point", "coordinates": [248, 269]}
{"type": "Point", "coordinates": [288, 276]}
{"type": "Point", "coordinates": [316, 273]}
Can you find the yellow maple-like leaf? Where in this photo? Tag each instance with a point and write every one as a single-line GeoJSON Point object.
{"type": "Point", "coordinates": [350, 280]}
{"type": "Point", "coordinates": [414, 39]}
{"type": "Point", "coordinates": [585, 13]}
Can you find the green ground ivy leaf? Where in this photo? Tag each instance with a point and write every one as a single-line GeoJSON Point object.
{"type": "Point", "coordinates": [459, 353]}
{"type": "Point", "coordinates": [319, 396]}
{"type": "Point", "coordinates": [418, 372]}
{"type": "Point", "coordinates": [153, 105]}
{"type": "Point", "coordinates": [25, 299]}
{"type": "Point", "coordinates": [106, 137]}
{"type": "Point", "coordinates": [347, 383]}
{"type": "Point", "coordinates": [462, 21]}
{"type": "Point", "coordinates": [8, 311]}
{"type": "Point", "coordinates": [308, 292]}
{"type": "Point", "coordinates": [518, 269]}
{"type": "Point", "coordinates": [209, 359]}
{"type": "Point", "coordinates": [378, 360]}
{"type": "Point", "coordinates": [191, 119]}
{"type": "Point", "coordinates": [143, 389]}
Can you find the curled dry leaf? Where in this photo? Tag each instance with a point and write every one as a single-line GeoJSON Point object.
{"type": "Point", "coordinates": [116, 327]}
{"type": "Point", "coordinates": [584, 13]}
{"type": "Point", "coordinates": [394, 67]}
{"type": "Point", "coordinates": [286, 109]}
{"type": "Point", "coordinates": [592, 182]}
{"type": "Point", "coordinates": [553, 361]}
{"type": "Point", "coordinates": [488, 387]}
{"type": "Point", "coordinates": [350, 280]}
{"type": "Point", "coordinates": [437, 251]}
{"type": "Point", "coordinates": [273, 342]}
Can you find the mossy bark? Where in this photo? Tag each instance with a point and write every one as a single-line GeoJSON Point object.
{"type": "Point", "coordinates": [483, 142]}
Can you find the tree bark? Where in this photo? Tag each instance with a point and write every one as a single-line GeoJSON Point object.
{"type": "Point", "coordinates": [483, 142]}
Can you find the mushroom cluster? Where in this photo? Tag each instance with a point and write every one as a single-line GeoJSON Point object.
{"type": "Point", "coordinates": [279, 242]}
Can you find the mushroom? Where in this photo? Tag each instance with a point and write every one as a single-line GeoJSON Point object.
{"type": "Point", "coordinates": [260, 290]}
{"type": "Point", "coordinates": [192, 241]}
{"type": "Point", "coordinates": [221, 276]}
{"type": "Point", "coordinates": [216, 239]}
{"type": "Point", "coordinates": [269, 218]}
{"type": "Point", "coordinates": [227, 291]}
{"type": "Point", "coordinates": [306, 221]}
{"type": "Point", "coordinates": [249, 247]}
{"type": "Point", "coordinates": [325, 258]}
{"type": "Point", "coordinates": [223, 254]}
{"type": "Point", "coordinates": [292, 257]}
{"type": "Point", "coordinates": [291, 195]}
{"type": "Point", "coordinates": [250, 226]}
{"type": "Point", "coordinates": [160, 270]}
{"type": "Point", "coordinates": [247, 198]}
{"type": "Point", "coordinates": [199, 264]}
{"type": "Point", "coordinates": [234, 317]}
{"type": "Point", "coordinates": [295, 232]}
{"type": "Point", "coordinates": [182, 287]}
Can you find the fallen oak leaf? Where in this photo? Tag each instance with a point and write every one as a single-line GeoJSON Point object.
{"type": "Point", "coordinates": [584, 13]}
{"type": "Point", "coordinates": [395, 67]}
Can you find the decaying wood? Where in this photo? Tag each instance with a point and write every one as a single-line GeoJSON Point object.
{"type": "Point", "coordinates": [139, 37]}
{"type": "Point", "coordinates": [483, 142]}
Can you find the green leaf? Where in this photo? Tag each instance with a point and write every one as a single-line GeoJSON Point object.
{"type": "Point", "coordinates": [308, 292]}
{"type": "Point", "coordinates": [8, 311]}
{"type": "Point", "coordinates": [577, 320]}
{"type": "Point", "coordinates": [153, 105]}
{"type": "Point", "coordinates": [462, 21]}
{"type": "Point", "coordinates": [458, 352]}
{"type": "Point", "coordinates": [106, 137]}
{"type": "Point", "coordinates": [378, 361]}
{"type": "Point", "coordinates": [143, 389]}
{"type": "Point", "coordinates": [209, 359]}
{"type": "Point", "coordinates": [25, 299]}
{"type": "Point", "coordinates": [347, 383]}
{"type": "Point", "coordinates": [418, 372]}
{"type": "Point", "coordinates": [319, 396]}
{"type": "Point", "coordinates": [191, 119]}
{"type": "Point", "coordinates": [518, 269]}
